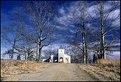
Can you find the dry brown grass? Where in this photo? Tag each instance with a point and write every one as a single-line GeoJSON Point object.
{"type": "Point", "coordinates": [103, 72]}
{"type": "Point", "coordinates": [104, 69]}
{"type": "Point", "coordinates": [9, 67]}
{"type": "Point", "coordinates": [113, 62]}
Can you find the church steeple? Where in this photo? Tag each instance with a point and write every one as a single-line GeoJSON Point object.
{"type": "Point", "coordinates": [61, 47]}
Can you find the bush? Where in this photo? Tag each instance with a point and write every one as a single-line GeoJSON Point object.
{"type": "Point", "coordinates": [17, 64]}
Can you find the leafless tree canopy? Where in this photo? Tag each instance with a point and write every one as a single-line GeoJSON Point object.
{"type": "Point", "coordinates": [33, 26]}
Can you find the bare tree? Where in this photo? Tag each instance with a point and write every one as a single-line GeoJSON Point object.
{"type": "Point", "coordinates": [82, 28]}
{"type": "Point", "coordinates": [84, 45]}
{"type": "Point", "coordinates": [41, 14]}
{"type": "Point", "coordinates": [79, 36]}
{"type": "Point", "coordinates": [96, 38]}
{"type": "Point", "coordinates": [11, 40]}
{"type": "Point", "coordinates": [105, 29]}
{"type": "Point", "coordinates": [75, 53]}
{"type": "Point", "coordinates": [16, 34]}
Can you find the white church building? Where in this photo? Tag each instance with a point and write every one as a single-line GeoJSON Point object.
{"type": "Point", "coordinates": [61, 57]}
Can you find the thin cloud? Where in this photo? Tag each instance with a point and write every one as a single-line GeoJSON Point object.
{"type": "Point", "coordinates": [114, 14]}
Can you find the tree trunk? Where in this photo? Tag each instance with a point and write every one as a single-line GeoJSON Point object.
{"type": "Point", "coordinates": [37, 52]}
{"type": "Point", "coordinates": [40, 47]}
{"type": "Point", "coordinates": [39, 57]}
{"type": "Point", "coordinates": [13, 47]}
{"type": "Point", "coordinates": [102, 51]}
{"type": "Point", "coordinates": [84, 46]}
{"type": "Point", "coordinates": [25, 56]}
{"type": "Point", "coordinates": [86, 52]}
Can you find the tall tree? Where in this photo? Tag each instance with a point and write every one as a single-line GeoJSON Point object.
{"type": "Point", "coordinates": [41, 15]}
{"type": "Point", "coordinates": [84, 45]}
{"type": "Point", "coordinates": [82, 21]}
{"type": "Point", "coordinates": [79, 36]}
{"type": "Point", "coordinates": [11, 36]}
{"type": "Point", "coordinates": [105, 29]}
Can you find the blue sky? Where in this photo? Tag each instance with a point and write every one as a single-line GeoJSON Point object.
{"type": "Point", "coordinates": [64, 18]}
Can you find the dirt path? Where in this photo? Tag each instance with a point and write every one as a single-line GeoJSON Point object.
{"type": "Point", "coordinates": [68, 72]}
{"type": "Point", "coordinates": [57, 72]}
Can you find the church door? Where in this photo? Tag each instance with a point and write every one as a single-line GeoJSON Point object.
{"type": "Point", "coordinates": [61, 60]}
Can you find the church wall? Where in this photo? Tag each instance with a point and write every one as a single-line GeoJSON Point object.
{"type": "Point", "coordinates": [65, 57]}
